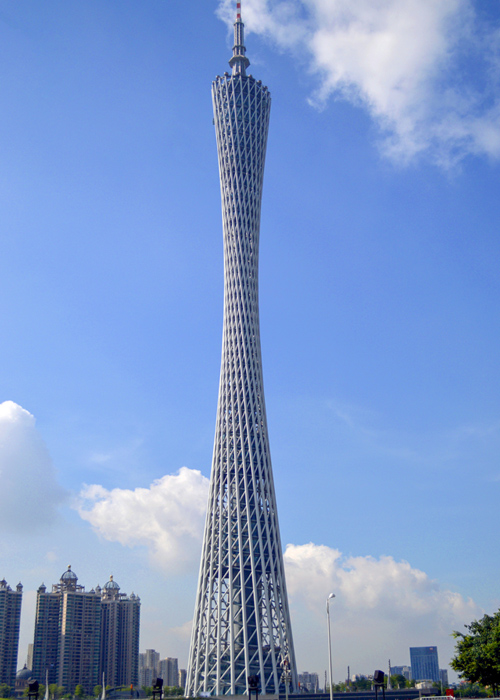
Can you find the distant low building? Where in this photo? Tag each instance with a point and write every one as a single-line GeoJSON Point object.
{"type": "Point", "coordinates": [404, 671]}
{"type": "Point", "coordinates": [22, 678]}
{"type": "Point", "coordinates": [309, 682]}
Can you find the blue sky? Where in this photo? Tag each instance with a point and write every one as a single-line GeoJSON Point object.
{"type": "Point", "coordinates": [379, 292]}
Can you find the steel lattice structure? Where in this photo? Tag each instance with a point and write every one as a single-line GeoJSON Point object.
{"type": "Point", "coordinates": [241, 625]}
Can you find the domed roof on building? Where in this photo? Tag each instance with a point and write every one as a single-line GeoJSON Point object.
{"type": "Point", "coordinates": [24, 673]}
{"type": "Point", "coordinates": [69, 575]}
{"type": "Point", "coordinates": [111, 585]}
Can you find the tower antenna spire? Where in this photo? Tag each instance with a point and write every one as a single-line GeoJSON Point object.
{"type": "Point", "coordinates": [239, 62]}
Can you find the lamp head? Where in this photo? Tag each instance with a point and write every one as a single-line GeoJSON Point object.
{"type": "Point", "coordinates": [253, 682]}
{"type": "Point", "coordinates": [378, 677]}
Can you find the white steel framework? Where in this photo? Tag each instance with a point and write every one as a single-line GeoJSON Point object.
{"type": "Point", "coordinates": [241, 625]}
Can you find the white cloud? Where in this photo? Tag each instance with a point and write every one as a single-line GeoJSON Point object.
{"type": "Point", "coordinates": [382, 607]}
{"type": "Point", "coordinates": [426, 72]}
{"type": "Point", "coordinates": [29, 492]}
{"type": "Point", "coordinates": [183, 632]}
{"type": "Point", "coordinates": [167, 518]}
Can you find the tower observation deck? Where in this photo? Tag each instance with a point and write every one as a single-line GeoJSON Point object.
{"type": "Point", "coordinates": [241, 624]}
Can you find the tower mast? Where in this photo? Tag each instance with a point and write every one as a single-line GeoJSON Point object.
{"type": "Point", "coordinates": [241, 624]}
{"type": "Point", "coordinates": [239, 62]}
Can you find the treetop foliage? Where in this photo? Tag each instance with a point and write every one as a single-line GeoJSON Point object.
{"type": "Point", "coordinates": [477, 657]}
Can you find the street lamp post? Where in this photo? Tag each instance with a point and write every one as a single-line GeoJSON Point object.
{"type": "Point", "coordinates": [332, 595]}
{"type": "Point", "coordinates": [286, 676]}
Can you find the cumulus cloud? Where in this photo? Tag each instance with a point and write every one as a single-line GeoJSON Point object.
{"type": "Point", "coordinates": [426, 72]}
{"type": "Point", "coordinates": [29, 492]}
{"type": "Point", "coordinates": [381, 608]}
{"type": "Point", "coordinates": [167, 518]}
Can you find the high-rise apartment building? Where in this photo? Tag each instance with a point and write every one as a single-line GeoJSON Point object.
{"type": "Point", "coordinates": [120, 623]}
{"type": "Point", "coordinates": [149, 667]}
{"type": "Point", "coordinates": [169, 671]}
{"type": "Point", "coordinates": [424, 664]}
{"type": "Point", "coordinates": [241, 625]}
{"type": "Point", "coordinates": [10, 618]}
{"type": "Point", "coordinates": [46, 637]}
{"type": "Point", "coordinates": [80, 635]}
{"type": "Point", "coordinates": [29, 659]}
{"type": "Point", "coordinates": [67, 634]}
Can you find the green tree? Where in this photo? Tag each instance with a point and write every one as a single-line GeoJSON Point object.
{"type": "Point", "coordinates": [5, 690]}
{"type": "Point", "coordinates": [79, 691]}
{"type": "Point", "coordinates": [472, 690]}
{"type": "Point", "coordinates": [97, 691]}
{"type": "Point", "coordinates": [55, 691]}
{"type": "Point", "coordinates": [362, 684]}
{"type": "Point", "coordinates": [477, 653]}
{"type": "Point", "coordinates": [172, 691]}
{"type": "Point", "coordinates": [398, 681]}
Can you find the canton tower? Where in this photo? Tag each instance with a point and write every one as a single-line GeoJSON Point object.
{"type": "Point", "coordinates": [241, 624]}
